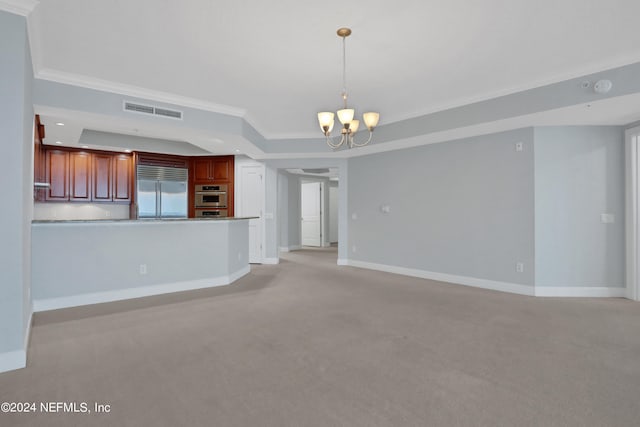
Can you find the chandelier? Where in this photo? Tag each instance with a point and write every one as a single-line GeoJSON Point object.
{"type": "Point", "coordinates": [346, 115]}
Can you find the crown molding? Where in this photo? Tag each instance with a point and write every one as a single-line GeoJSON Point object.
{"type": "Point", "coordinates": [135, 91]}
{"type": "Point", "coordinates": [581, 73]}
{"type": "Point", "coordinates": [19, 7]}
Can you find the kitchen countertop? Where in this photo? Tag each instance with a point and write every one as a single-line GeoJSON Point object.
{"type": "Point", "coordinates": [66, 221]}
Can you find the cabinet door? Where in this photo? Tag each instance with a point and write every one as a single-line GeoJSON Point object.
{"type": "Point", "coordinates": [122, 177]}
{"type": "Point", "coordinates": [102, 177]}
{"type": "Point", "coordinates": [39, 169]}
{"type": "Point", "coordinates": [80, 176]}
{"type": "Point", "coordinates": [57, 173]}
{"type": "Point", "coordinates": [220, 170]}
{"type": "Point", "coordinates": [202, 170]}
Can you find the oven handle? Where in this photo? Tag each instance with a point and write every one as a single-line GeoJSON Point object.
{"type": "Point", "coordinates": [211, 193]}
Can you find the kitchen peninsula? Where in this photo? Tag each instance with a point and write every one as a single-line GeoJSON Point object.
{"type": "Point", "coordinates": [93, 261]}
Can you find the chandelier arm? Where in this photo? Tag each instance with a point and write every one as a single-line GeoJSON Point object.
{"type": "Point", "coordinates": [362, 144]}
{"type": "Point", "coordinates": [333, 145]}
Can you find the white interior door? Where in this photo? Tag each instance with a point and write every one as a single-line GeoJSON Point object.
{"type": "Point", "coordinates": [311, 216]}
{"type": "Point", "coordinates": [251, 203]}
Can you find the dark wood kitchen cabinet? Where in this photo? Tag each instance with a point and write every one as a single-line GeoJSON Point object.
{"type": "Point", "coordinates": [211, 170]}
{"type": "Point", "coordinates": [88, 176]}
{"type": "Point", "coordinates": [79, 176]}
{"type": "Point", "coordinates": [102, 176]}
{"type": "Point", "coordinates": [122, 178]}
{"type": "Point", "coordinates": [57, 174]}
{"type": "Point", "coordinates": [217, 169]}
{"type": "Point", "coordinates": [202, 170]}
{"type": "Point", "coordinates": [39, 169]}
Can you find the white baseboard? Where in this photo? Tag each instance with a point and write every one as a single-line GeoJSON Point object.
{"type": "Point", "coordinates": [270, 260]}
{"type": "Point", "coordinates": [443, 277]}
{"type": "Point", "coordinates": [12, 360]}
{"type": "Point", "coordinates": [581, 291]}
{"type": "Point", "coordinates": [122, 294]}
{"type": "Point", "coordinates": [290, 248]}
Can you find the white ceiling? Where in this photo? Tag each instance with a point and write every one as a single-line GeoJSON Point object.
{"type": "Point", "coordinates": [278, 63]}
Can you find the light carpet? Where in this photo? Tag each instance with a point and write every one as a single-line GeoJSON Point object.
{"type": "Point", "coordinates": [309, 343]}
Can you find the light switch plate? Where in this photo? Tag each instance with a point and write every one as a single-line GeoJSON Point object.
{"type": "Point", "coordinates": [607, 218]}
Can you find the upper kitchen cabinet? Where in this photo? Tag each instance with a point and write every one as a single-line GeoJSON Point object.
{"type": "Point", "coordinates": [102, 177]}
{"type": "Point", "coordinates": [57, 174]}
{"type": "Point", "coordinates": [218, 169]}
{"type": "Point", "coordinates": [202, 170]}
{"type": "Point", "coordinates": [122, 178]}
{"type": "Point", "coordinates": [39, 169]}
{"type": "Point", "coordinates": [80, 176]}
{"type": "Point", "coordinates": [88, 176]}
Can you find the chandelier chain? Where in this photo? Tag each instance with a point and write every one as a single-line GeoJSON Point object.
{"type": "Point", "coordinates": [344, 70]}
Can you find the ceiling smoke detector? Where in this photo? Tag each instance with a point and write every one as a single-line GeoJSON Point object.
{"type": "Point", "coordinates": [602, 86]}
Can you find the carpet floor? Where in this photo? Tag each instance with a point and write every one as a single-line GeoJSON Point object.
{"type": "Point", "coordinates": [308, 343]}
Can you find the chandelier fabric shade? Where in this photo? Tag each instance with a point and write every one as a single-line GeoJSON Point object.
{"type": "Point", "coordinates": [350, 125]}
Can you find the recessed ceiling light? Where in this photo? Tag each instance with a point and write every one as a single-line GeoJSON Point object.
{"type": "Point", "coordinates": [85, 146]}
{"type": "Point", "coordinates": [60, 124]}
{"type": "Point", "coordinates": [58, 142]}
{"type": "Point", "coordinates": [127, 151]}
{"type": "Point", "coordinates": [237, 151]}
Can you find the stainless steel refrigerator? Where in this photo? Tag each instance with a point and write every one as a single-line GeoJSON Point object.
{"type": "Point", "coordinates": [162, 192]}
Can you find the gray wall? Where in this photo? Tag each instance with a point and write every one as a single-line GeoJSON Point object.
{"type": "Point", "coordinates": [288, 210]}
{"type": "Point", "coordinates": [295, 211]}
{"type": "Point", "coordinates": [463, 207]}
{"type": "Point", "coordinates": [333, 211]}
{"type": "Point", "coordinates": [173, 251]}
{"type": "Point", "coordinates": [16, 172]}
{"type": "Point", "coordinates": [579, 175]}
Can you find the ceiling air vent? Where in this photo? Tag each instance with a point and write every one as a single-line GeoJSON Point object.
{"type": "Point", "coordinates": [169, 113]}
{"type": "Point", "coordinates": [150, 109]}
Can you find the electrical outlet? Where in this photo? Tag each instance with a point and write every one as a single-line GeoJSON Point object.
{"type": "Point", "coordinates": [107, 214]}
{"type": "Point", "coordinates": [519, 146]}
{"type": "Point", "coordinates": [519, 267]}
{"type": "Point", "coordinates": [143, 269]}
